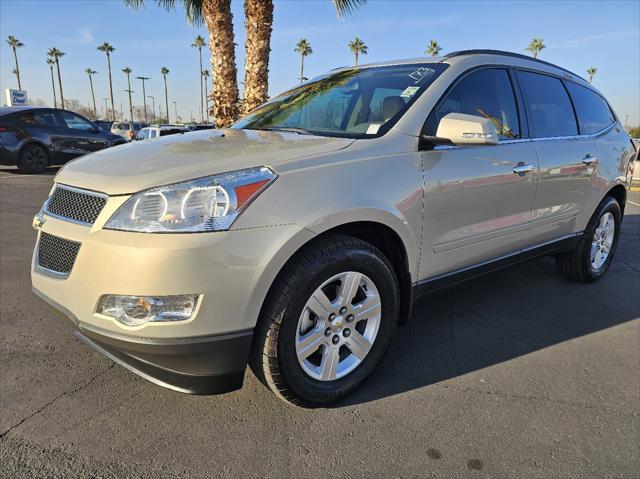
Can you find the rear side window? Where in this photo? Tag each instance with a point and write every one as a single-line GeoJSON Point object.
{"type": "Point", "coordinates": [170, 131]}
{"type": "Point", "coordinates": [548, 106]}
{"type": "Point", "coordinates": [593, 112]}
{"type": "Point", "coordinates": [153, 133]}
{"type": "Point", "coordinates": [39, 118]}
{"type": "Point", "coordinates": [486, 93]}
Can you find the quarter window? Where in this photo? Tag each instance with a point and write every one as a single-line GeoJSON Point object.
{"type": "Point", "coordinates": [548, 106]}
{"type": "Point", "coordinates": [593, 112]}
{"type": "Point", "coordinates": [486, 93]}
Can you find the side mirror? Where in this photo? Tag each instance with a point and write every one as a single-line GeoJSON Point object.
{"type": "Point", "coordinates": [462, 129]}
{"type": "Point", "coordinates": [95, 129]}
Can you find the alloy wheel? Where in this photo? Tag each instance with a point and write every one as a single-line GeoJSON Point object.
{"type": "Point", "coordinates": [338, 326]}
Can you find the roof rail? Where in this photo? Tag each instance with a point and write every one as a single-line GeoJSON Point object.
{"type": "Point", "coordinates": [507, 54]}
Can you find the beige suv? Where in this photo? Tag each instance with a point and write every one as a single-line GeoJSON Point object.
{"type": "Point", "coordinates": [296, 240]}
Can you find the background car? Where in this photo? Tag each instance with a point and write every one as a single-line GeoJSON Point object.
{"type": "Point", "coordinates": [104, 124]}
{"type": "Point", "coordinates": [200, 127]}
{"type": "Point", "coordinates": [151, 132]}
{"type": "Point", "coordinates": [32, 138]}
{"type": "Point", "coordinates": [128, 130]}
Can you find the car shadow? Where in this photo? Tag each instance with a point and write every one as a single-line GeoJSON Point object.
{"type": "Point", "coordinates": [12, 170]}
{"type": "Point", "coordinates": [502, 316]}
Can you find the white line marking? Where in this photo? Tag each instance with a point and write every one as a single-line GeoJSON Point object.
{"type": "Point", "coordinates": [634, 204]}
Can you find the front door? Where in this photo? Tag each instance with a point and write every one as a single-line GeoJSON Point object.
{"type": "Point", "coordinates": [80, 136]}
{"type": "Point", "coordinates": [477, 208]}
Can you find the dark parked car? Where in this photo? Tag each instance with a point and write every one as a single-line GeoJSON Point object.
{"type": "Point", "coordinates": [33, 138]}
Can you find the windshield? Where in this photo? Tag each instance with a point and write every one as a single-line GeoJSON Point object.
{"type": "Point", "coordinates": [353, 103]}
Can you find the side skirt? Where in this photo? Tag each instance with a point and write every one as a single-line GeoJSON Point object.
{"type": "Point", "coordinates": [445, 280]}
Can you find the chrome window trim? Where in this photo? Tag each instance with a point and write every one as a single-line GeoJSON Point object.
{"type": "Point", "coordinates": [524, 140]}
{"type": "Point", "coordinates": [45, 207]}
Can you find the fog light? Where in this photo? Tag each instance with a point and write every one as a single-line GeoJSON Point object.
{"type": "Point", "coordinates": [136, 310]}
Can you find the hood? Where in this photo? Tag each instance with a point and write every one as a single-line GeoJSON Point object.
{"type": "Point", "coordinates": [140, 165]}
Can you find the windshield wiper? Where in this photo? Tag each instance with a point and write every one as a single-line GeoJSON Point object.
{"type": "Point", "coordinates": [299, 131]}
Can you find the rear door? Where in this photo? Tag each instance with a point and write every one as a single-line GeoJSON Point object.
{"type": "Point", "coordinates": [476, 207]}
{"type": "Point", "coordinates": [567, 159]}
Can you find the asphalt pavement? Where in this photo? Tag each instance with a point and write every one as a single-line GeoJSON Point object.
{"type": "Point", "coordinates": [520, 373]}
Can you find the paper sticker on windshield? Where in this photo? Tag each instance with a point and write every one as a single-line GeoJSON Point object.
{"type": "Point", "coordinates": [420, 73]}
{"type": "Point", "coordinates": [409, 91]}
{"type": "Point", "coordinates": [373, 128]}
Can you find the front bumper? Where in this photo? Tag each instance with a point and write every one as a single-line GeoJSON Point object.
{"type": "Point", "coordinates": [231, 271]}
{"type": "Point", "coordinates": [204, 365]}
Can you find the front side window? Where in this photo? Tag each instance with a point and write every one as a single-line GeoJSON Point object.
{"type": "Point", "coordinates": [548, 106]}
{"type": "Point", "coordinates": [353, 103]}
{"type": "Point", "coordinates": [76, 122]}
{"type": "Point", "coordinates": [593, 112]}
{"type": "Point", "coordinates": [486, 93]}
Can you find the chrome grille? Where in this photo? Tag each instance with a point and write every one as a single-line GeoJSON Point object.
{"type": "Point", "coordinates": [78, 205]}
{"type": "Point", "coordinates": [57, 254]}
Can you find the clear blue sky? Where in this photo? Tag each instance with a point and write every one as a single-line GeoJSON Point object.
{"type": "Point", "coordinates": [578, 34]}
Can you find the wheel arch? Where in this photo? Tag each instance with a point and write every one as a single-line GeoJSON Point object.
{"type": "Point", "coordinates": [37, 142]}
{"type": "Point", "coordinates": [619, 193]}
{"type": "Point", "coordinates": [380, 235]}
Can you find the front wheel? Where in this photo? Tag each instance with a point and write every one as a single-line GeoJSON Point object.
{"type": "Point", "coordinates": [591, 258]}
{"type": "Point", "coordinates": [327, 321]}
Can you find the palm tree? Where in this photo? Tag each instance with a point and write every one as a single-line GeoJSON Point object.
{"type": "Point", "coordinates": [591, 71]}
{"type": "Point", "coordinates": [433, 48]}
{"type": "Point", "coordinates": [127, 71]}
{"type": "Point", "coordinates": [107, 48]}
{"type": "Point", "coordinates": [199, 43]}
{"type": "Point", "coordinates": [303, 47]}
{"type": "Point", "coordinates": [50, 62]}
{"type": "Point", "coordinates": [14, 43]}
{"type": "Point", "coordinates": [217, 16]}
{"type": "Point", "coordinates": [358, 47]}
{"type": "Point", "coordinates": [536, 46]}
{"type": "Point", "coordinates": [205, 80]}
{"type": "Point", "coordinates": [165, 71]}
{"type": "Point", "coordinates": [258, 25]}
{"type": "Point", "coordinates": [91, 72]}
{"type": "Point", "coordinates": [56, 55]}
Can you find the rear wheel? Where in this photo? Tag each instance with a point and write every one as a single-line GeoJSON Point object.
{"type": "Point", "coordinates": [327, 322]}
{"type": "Point", "coordinates": [591, 259]}
{"type": "Point", "coordinates": [33, 159]}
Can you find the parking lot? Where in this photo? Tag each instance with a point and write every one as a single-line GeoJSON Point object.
{"type": "Point", "coordinates": [520, 373]}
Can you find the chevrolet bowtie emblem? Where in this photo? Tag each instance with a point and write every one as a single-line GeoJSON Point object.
{"type": "Point", "coordinates": [38, 221]}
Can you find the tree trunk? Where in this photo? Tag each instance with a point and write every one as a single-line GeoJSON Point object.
{"type": "Point", "coordinates": [15, 57]}
{"type": "Point", "coordinates": [53, 86]}
{"type": "Point", "coordinates": [95, 110]}
{"type": "Point", "coordinates": [356, 54]}
{"type": "Point", "coordinates": [301, 68]}
{"type": "Point", "coordinates": [130, 102]}
{"type": "Point", "coordinates": [205, 80]}
{"type": "Point", "coordinates": [113, 108]}
{"type": "Point", "coordinates": [219, 20]}
{"type": "Point", "coordinates": [60, 83]}
{"type": "Point", "coordinates": [201, 96]}
{"type": "Point", "coordinates": [258, 24]}
{"type": "Point", "coordinates": [166, 98]}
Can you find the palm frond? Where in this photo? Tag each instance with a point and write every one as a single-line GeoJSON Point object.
{"type": "Point", "coordinates": [347, 7]}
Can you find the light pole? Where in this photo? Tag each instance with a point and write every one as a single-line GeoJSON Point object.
{"type": "Point", "coordinates": [106, 107]}
{"type": "Point", "coordinates": [153, 100]}
{"type": "Point", "coordinates": [144, 96]}
{"type": "Point", "coordinates": [175, 109]}
{"type": "Point", "coordinates": [131, 112]}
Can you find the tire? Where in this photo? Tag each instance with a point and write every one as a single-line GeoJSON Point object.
{"type": "Point", "coordinates": [279, 340]}
{"type": "Point", "coordinates": [33, 159]}
{"type": "Point", "coordinates": [579, 264]}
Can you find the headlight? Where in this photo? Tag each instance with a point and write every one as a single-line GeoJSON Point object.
{"type": "Point", "coordinates": [211, 203]}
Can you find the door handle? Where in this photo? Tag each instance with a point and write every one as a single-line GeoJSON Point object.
{"type": "Point", "coordinates": [589, 160]}
{"type": "Point", "coordinates": [522, 169]}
